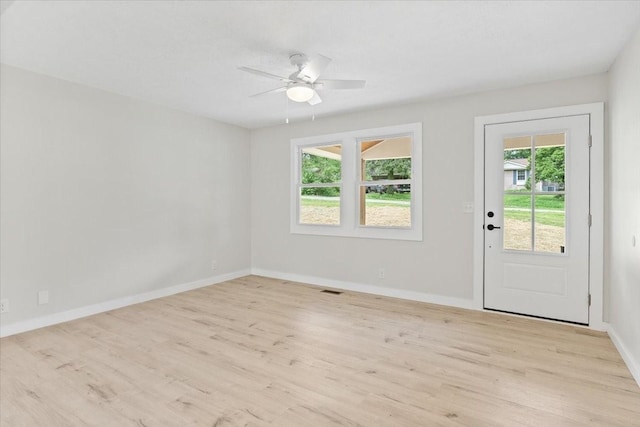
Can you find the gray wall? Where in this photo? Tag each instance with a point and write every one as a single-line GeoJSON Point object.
{"type": "Point", "coordinates": [105, 197]}
{"type": "Point", "coordinates": [623, 204]}
{"type": "Point", "coordinates": [442, 263]}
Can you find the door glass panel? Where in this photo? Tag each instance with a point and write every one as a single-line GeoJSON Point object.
{"type": "Point", "coordinates": [550, 224]}
{"type": "Point", "coordinates": [550, 211]}
{"type": "Point", "coordinates": [517, 212]}
{"type": "Point", "coordinates": [517, 222]}
{"type": "Point", "coordinates": [537, 177]}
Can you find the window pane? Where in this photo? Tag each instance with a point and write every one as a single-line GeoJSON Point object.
{"type": "Point", "coordinates": [388, 159]}
{"type": "Point", "coordinates": [517, 198]}
{"type": "Point", "coordinates": [550, 215]}
{"type": "Point", "coordinates": [386, 205]}
{"type": "Point", "coordinates": [320, 205]}
{"type": "Point", "coordinates": [517, 222]}
{"type": "Point", "coordinates": [376, 170]}
{"type": "Point", "coordinates": [517, 152]}
{"type": "Point", "coordinates": [549, 162]}
{"type": "Point", "coordinates": [550, 223]}
{"type": "Point", "coordinates": [321, 164]}
{"type": "Point", "coordinates": [383, 204]}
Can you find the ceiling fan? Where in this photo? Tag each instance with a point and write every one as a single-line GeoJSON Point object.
{"type": "Point", "coordinates": [302, 85]}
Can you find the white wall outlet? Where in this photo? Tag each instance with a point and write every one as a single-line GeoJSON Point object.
{"type": "Point", "coordinates": [4, 306]}
{"type": "Point", "coordinates": [467, 207]}
{"type": "Point", "coordinates": [43, 297]}
{"type": "Point", "coordinates": [214, 264]}
{"type": "Point", "coordinates": [381, 273]}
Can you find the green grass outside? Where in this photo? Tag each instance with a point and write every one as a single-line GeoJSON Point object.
{"type": "Point", "coordinates": [392, 196]}
{"type": "Point", "coordinates": [547, 202]}
{"type": "Point", "coordinates": [524, 201]}
{"type": "Point", "coordinates": [328, 203]}
{"type": "Point", "coordinates": [546, 218]}
{"type": "Point", "coordinates": [325, 203]}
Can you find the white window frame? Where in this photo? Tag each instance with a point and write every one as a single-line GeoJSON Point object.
{"type": "Point", "coordinates": [299, 185]}
{"type": "Point", "coordinates": [350, 184]}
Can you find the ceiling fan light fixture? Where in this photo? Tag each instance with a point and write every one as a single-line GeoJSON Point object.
{"type": "Point", "coordinates": [300, 92]}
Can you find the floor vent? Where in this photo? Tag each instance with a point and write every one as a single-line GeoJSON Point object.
{"type": "Point", "coordinates": [329, 291]}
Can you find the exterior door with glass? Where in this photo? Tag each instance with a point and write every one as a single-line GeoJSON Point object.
{"type": "Point", "coordinates": [536, 225]}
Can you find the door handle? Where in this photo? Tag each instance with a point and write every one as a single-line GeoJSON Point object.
{"type": "Point", "coordinates": [491, 227]}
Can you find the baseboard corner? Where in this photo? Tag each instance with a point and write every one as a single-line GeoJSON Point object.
{"type": "Point", "coordinates": [632, 364]}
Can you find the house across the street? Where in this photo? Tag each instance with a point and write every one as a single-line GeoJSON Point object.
{"type": "Point", "coordinates": [517, 173]}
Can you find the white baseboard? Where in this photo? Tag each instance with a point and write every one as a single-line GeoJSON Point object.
{"type": "Point", "coordinates": [632, 363]}
{"type": "Point", "coordinates": [368, 289]}
{"type": "Point", "coordinates": [77, 313]}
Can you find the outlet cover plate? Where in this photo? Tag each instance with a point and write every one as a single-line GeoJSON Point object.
{"type": "Point", "coordinates": [43, 297]}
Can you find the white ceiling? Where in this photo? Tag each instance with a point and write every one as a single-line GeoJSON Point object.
{"type": "Point", "coordinates": [185, 54]}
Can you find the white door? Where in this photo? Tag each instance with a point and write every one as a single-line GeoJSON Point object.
{"type": "Point", "coordinates": [536, 232]}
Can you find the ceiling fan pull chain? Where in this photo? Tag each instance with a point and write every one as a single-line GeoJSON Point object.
{"type": "Point", "coordinates": [287, 110]}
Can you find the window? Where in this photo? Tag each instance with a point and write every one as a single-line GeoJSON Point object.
{"type": "Point", "coordinates": [320, 176]}
{"type": "Point", "coordinates": [385, 182]}
{"type": "Point", "coordinates": [521, 175]}
{"type": "Point", "coordinates": [364, 183]}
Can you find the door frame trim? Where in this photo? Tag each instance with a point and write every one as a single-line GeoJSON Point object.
{"type": "Point", "coordinates": [596, 199]}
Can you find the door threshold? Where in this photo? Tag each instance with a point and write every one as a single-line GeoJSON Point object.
{"type": "Point", "coordinates": [548, 319]}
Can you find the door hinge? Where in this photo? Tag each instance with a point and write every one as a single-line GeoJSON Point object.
{"type": "Point", "coordinates": [590, 220]}
{"type": "Point", "coordinates": [590, 141]}
{"type": "Point", "coordinates": [589, 300]}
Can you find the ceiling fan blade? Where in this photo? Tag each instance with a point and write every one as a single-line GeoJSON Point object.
{"type": "Point", "coordinates": [277, 90]}
{"type": "Point", "coordinates": [315, 99]}
{"type": "Point", "coordinates": [264, 74]}
{"type": "Point", "coordinates": [340, 84]}
{"type": "Point", "coordinates": [314, 68]}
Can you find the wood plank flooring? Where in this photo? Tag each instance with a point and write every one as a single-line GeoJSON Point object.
{"type": "Point", "coordinates": [263, 352]}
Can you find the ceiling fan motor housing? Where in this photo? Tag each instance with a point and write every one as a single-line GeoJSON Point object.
{"type": "Point", "coordinates": [299, 60]}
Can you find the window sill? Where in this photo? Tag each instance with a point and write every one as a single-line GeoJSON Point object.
{"type": "Point", "coordinates": [386, 233]}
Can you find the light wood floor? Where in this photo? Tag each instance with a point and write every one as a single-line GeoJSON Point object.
{"type": "Point", "coordinates": [257, 351]}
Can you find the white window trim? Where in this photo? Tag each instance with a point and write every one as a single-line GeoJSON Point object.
{"type": "Point", "coordinates": [350, 184]}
